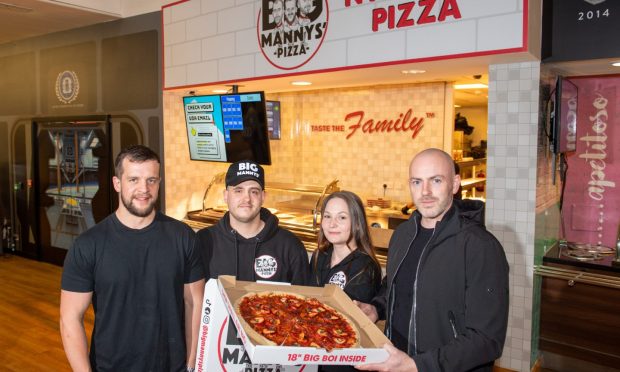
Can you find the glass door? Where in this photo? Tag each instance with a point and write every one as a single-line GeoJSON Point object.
{"type": "Point", "coordinates": [73, 182]}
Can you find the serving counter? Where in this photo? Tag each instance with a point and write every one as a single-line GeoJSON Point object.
{"type": "Point", "coordinates": [298, 208]}
{"type": "Point", "coordinates": [579, 311]}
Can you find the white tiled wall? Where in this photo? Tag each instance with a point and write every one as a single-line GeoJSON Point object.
{"type": "Point", "coordinates": [227, 31]}
{"type": "Point", "coordinates": [362, 163]}
{"type": "Point", "coordinates": [511, 192]}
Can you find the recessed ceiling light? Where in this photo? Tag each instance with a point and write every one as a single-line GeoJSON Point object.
{"type": "Point", "coordinates": [301, 83]}
{"type": "Point", "coordinates": [413, 71]}
{"type": "Point", "coordinates": [457, 106]}
{"type": "Point", "coordinates": [220, 91]}
{"type": "Point", "coordinates": [616, 64]}
{"type": "Point", "coordinates": [471, 86]}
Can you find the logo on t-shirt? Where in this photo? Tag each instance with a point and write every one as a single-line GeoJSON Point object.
{"type": "Point", "coordinates": [265, 266]}
{"type": "Point", "coordinates": [339, 279]}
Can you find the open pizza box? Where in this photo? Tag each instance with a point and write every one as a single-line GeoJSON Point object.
{"type": "Point", "coordinates": [371, 338]}
{"type": "Point", "coordinates": [219, 347]}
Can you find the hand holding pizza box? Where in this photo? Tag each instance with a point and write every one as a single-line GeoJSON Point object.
{"type": "Point", "coordinates": [303, 319]}
{"type": "Point", "coordinates": [219, 347]}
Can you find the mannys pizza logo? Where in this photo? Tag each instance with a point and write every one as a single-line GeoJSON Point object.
{"type": "Point", "coordinates": [265, 266]}
{"type": "Point", "coordinates": [290, 32]}
{"type": "Point", "coordinates": [339, 279]}
{"type": "Point", "coordinates": [67, 86]}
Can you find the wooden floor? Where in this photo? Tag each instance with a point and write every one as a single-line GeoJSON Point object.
{"type": "Point", "coordinates": [29, 331]}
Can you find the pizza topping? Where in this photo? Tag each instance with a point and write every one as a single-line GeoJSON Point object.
{"type": "Point", "coordinates": [339, 332]}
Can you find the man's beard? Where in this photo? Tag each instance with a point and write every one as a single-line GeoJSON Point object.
{"type": "Point", "coordinates": [135, 211]}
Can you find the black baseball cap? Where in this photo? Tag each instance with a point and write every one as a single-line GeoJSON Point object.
{"type": "Point", "coordinates": [245, 170]}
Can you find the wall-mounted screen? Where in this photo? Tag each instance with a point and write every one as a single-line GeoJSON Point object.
{"type": "Point", "coordinates": [564, 116]}
{"type": "Point", "coordinates": [273, 119]}
{"type": "Point", "coordinates": [227, 127]}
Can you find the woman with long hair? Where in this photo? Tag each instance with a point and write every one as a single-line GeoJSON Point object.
{"type": "Point", "coordinates": [345, 255]}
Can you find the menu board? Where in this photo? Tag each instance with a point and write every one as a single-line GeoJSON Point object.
{"type": "Point", "coordinates": [227, 128]}
{"type": "Point", "coordinates": [273, 119]}
{"type": "Point", "coordinates": [205, 128]}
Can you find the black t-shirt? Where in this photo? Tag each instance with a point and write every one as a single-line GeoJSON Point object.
{"type": "Point", "coordinates": [137, 279]}
{"type": "Point", "coordinates": [403, 289]}
{"type": "Point", "coordinates": [357, 274]}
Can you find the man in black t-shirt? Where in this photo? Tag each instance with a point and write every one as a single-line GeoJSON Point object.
{"type": "Point", "coordinates": [143, 275]}
{"type": "Point", "coordinates": [445, 295]}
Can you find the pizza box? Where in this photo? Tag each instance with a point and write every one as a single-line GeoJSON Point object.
{"type": "Point", "coordinates": [372, 339]}
{"type": "Point", "coordinates": [219, 347]}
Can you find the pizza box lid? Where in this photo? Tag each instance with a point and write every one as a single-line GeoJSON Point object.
{"type": "Point", "coordinates": [372, 339]}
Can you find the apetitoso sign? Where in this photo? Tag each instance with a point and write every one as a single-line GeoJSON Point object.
{"type": "Point", "coordinates": [590, 210]}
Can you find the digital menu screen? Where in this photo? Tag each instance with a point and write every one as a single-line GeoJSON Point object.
{"type": "Point", "coordinates": [228, 127]}
{"type": "Point", "coordinates": [273, 119]}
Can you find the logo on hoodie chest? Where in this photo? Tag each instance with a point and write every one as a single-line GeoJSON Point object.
{"type": "Point", "coordinates": [339, 279]}
{"type": "Point", "coordinates": [265, 266]}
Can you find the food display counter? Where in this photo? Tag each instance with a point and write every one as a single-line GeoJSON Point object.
{"type": "Point", "coordinates": [298, 208]}
{"type": "Point", "coordinates": [580, 293]}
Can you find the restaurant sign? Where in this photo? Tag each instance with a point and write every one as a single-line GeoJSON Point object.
{"type": "Point", "coordinates": [580, 29]}
{"type": "Point", "coordinates": [590, 205]}
{"type": "Point", "coordinates": [290, 32]}
{"type": "Point", "coordinates": [283, 37]}
{"type": "Point", "coordinates": [288, 35]}
{"type": "Point", "coordinates": [357, 122]}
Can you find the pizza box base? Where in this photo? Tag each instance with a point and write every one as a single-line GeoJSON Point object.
{"type": "Point", "coordinates": [372, 339]}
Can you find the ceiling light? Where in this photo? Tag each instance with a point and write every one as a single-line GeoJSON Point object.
{"type": "Point", "coordinates": [220, 91]}
{"type": "Point", "coordinates": [471, 86]}
{"type": "Point", "coordinates": [413, 71]}
{"type": "Point", "coordinates": [616, 64]}
{"type": "Point", "coordinates": [457, 106]}
{"type": "Point", "coordinates": [301, 83]}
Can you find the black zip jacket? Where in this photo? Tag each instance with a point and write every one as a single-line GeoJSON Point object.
{"type": "Point", "coordinates": [357, 274]}
{"type": "Point", "coordinates": [460, 297]}
{"type": "Point", "coordinates": [275, 254]}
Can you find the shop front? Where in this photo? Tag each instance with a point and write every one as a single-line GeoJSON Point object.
{"type": "Point", "coordinates": [70, 101]}
{"type": "Point", "coordinates": [383, 88]}
{"type": "Point", "coordinates": [577, 235]}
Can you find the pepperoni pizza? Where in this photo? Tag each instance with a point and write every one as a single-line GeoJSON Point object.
{"type": "Point", "coordinates": [286, 319]}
